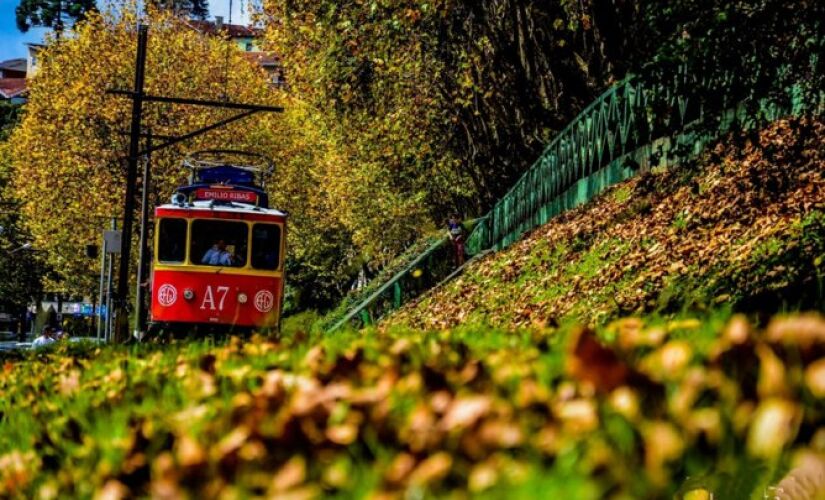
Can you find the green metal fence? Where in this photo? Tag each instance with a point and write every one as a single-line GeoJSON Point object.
{"type": "Point", "coordinates": [632, 127]}
{"type": "Point", "coordinates": [424, 272]}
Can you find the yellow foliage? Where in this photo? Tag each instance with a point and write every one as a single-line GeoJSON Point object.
{"type": "Point", "coordinates": [68, 152]}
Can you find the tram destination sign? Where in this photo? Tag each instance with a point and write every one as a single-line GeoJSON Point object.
{"type": "Point", "coordinates": [225, 195]}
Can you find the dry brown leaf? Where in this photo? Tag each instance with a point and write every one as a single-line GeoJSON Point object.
{"type": "Point", "coordinates": [343, 434]}
{"type": "Point", "coordinates": [804, 330]}
{"type": "Point", "coordinates": [805, 481]}
{"type": "Point", "coordinates": [431, 469]}
{"type": "Point", "coordinates": [590, 362]}
{"type": "Point", "coordinates": [232, 441]}
{"type": "Point", "coordinates": [483, 476]}
{"type": "Point", "coordinates": [773, 426]}
{"type": "Point", "coordinates": [663, 444]}
{"type": "Point", "coordinates": [464, 412]}
{"type": "Point", "coordinates": [772, 377]}
{"type": "Point", "coordinates": [501, 434]}
{"type": "Point", "coordinates": [815, 378]}
{"type": "Point", "coordinates": [578, 416]}
{"type": "Point", "coordinates": [291, 474]}
{"type": "Point", "coordinates": [625, 401]}
{"type": "Point", "coordinates": [400, 468]}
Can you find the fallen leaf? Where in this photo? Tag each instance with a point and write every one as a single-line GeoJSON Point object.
{"type": "Point", "coordinates": [431, 469]}
{"type": "Point", "coordinates": [290, 475]}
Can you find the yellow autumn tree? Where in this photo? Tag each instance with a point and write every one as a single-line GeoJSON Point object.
{"type": "Point", "coordinates": [69, 148]}
{"type": "Point", "coordinates": [367, 73]}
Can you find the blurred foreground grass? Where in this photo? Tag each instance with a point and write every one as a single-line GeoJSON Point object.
{"type": "Point", "coordinates": [646, 407]}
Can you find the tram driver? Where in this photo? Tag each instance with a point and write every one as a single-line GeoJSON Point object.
{"type": "Point", "coordinates": [218, 255]}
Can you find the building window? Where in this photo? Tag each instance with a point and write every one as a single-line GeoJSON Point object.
{"type": "Point", "coordinates": [249, 46]}
{"type": "Point", "coordinates": [172, 241]}
{"type": "Point", "coordinates": [266, 246]}
{"type": "Point", "coordinates": [219, 243]}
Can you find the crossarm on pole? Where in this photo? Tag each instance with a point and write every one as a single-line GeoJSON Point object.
{"type": "Point", "coordinates": [153, 148]}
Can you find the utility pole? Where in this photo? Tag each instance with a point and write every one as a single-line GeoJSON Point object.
{"type": "Point", "coordinates": [131, 178]}
{"type": "Point", "coordinates": [143, 251]}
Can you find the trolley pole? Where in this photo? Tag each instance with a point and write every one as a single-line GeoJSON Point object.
{"type": "Point", "coordinates": [143, 251]}
{"type": "Point", "coordinates": [131, 178]}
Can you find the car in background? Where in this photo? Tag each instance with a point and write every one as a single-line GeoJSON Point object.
{"type": "Point", "coordinates": [8, 335]}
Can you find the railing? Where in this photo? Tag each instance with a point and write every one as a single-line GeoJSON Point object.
{"type": "Point", "coordinates": [632, 127]}
{"type": "Point", "coordinates": [424, 272]}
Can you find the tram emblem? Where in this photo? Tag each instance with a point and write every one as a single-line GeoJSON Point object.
{"type": "Point", "coordinates": [167, 295]}
{"type": "Point", "coordinates": [264, 301]}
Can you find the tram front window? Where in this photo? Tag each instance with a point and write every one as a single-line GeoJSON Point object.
{"type": "Point", "coordinates": [172, 241]}
{"type": "Point", "coordinates": [266, 246]}
{"type": "Point", "coordinates": [218, 243]}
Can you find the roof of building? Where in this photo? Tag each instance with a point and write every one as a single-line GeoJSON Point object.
{"type": "Point", "coordinates": [233, 30]}
{"type": "Point", "coordinates": [264, 59]}
{"type": "Point", "coordinates": [12, 87]}
{"type": "Point", "coordinates": [14, 65]}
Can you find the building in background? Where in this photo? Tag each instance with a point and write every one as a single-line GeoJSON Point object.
{"type": "Point", "coordinates": [13, 80]}
{"type": "Point", "coordinates": [14, 72]}
{"type": "Point", "coordinates": [13, 68]}
{"type": "Point", "coordinates": [33, 60]}
{"type": "Point", "coordinates": [13, 90]}
{"type": "Point", "coordinates": [246, 39]}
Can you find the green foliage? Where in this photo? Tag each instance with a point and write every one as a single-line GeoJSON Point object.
{"type": "Point", "coordinates": [355, 296]}
{"type": "Point", "coordinates": [51, 13]}
{"type": "Point", "coordinates": [621, 194]}
{"type": "Point", "coordinates": [432, 108]}
{"type": "Point", "coordinates": [749, 41]}
{"type": "Point", "coordinates": [9, 117]}
{"type": "Point", "coordinates": [300, 323]}
{"type": "Point", "coordinates": [21, 269]}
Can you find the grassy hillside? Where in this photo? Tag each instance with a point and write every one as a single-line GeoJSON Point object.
{"type": "Point", "coordinates": [744, 225]}
{"type": "Point", "coordinates": [682, 400]}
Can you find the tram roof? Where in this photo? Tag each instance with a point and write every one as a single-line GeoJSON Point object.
{"type": "Point", "coordinates": [234, 207]}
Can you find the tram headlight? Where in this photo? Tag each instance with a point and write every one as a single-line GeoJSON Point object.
{"type": "Point", "coordinates": [188, 294]}
{"type": "Point", "coordinates": [242, 298]}
{"type": "Point", "coordinates": [179, 199]}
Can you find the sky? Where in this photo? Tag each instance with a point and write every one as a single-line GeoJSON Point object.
{"type": "Point", "coordinates": [13, 43]}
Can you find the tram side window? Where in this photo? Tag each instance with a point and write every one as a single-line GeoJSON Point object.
{"type": "Point", "coordinates": [172, 241]}
{"type": "Point", "coordinates": [266, 246]}
{"type": "Point", "coordinates": [219, 243]}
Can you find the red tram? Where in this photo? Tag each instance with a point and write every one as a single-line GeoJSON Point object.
{"type": "Point", "coordinates": [219, 249]}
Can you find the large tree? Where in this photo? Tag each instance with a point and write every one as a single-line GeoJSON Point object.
{"type": "Point", "coordinates": [54, 14]}
{"type": "Point", "coordinates": [21, 267]}
{"type": "Point", "coordinates": [67, 151]}
{"type": "Point", "coordinates": [436, 106]}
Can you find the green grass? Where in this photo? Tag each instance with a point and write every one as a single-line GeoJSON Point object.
{"type": "Point", "coordinates": [81, 417]}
